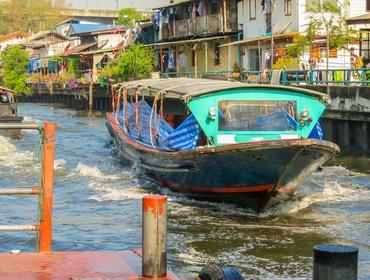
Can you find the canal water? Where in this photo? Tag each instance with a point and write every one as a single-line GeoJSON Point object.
{"type": "Point", "coordinates": [97, 206]}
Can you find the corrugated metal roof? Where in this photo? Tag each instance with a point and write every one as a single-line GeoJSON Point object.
{"type": "Point", "coordinates": [176, 3]}
{"type": "Point", "coordinates": [362, 19]}
{"type": "Point", "coordinates": [187, 88]}
{"type": "Point", "coordinates": [78, 49]}
{"type": "Point", "coordinates": [12, 35]}
{"type": "Point", "coordinates": [262, 38]}
{"type": "Point", "coordinates": [87, 28]}
{"type": "Point", "coordinates": [189, 41]}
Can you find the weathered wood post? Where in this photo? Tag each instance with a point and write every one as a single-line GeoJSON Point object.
{"type": "Point", "coordinates": [154, 261]}
{"type": "Point", "coordinates": [335, 262]}
{"type": "Point", "coordinates": [91, 91]}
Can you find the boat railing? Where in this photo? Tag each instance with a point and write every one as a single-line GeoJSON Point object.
{"type": "Point", "coordinates": [44, 191]}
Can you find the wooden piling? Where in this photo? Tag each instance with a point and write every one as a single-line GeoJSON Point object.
{"type": "Point", "coordinates": [91, 90]}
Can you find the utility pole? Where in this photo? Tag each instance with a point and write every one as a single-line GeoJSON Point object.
{"type": "Point", "coordinates": [272, 34]}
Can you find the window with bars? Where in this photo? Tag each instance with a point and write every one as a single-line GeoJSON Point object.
{"type": "Point", "coordinates": [252, 9]}
{"type": "Point", "coordinates": [365, 43]}
{"type": "Point", "coordinates": [217, 53]}
{"type": "Point", "coordinates": [288, 7]}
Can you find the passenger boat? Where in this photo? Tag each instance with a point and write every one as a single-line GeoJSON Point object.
{"type": "Point", "coordinates": [252, 145]}
{"type": "Point", "coordinates": [9, 112]}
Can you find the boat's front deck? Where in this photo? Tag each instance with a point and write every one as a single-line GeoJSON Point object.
{"type": "Point", "coordinates": [72, 266]}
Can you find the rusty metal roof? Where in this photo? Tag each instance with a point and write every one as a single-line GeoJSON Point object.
{"type": "Point", "coordinates": [78, 49]}
{"type": "Point", "coordinates": [188, 88]}
{"type": "Point", "coordinates": [362, 19]}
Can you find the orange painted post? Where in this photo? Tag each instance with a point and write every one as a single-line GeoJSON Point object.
{"type": "Point", "coordinates": [47, 183]}
{"type": "Point", "coordinates": [154, 235]}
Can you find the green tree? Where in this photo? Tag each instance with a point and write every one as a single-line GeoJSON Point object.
{"type": "Point", "coordinates": [127, 17]}
{"type": "Point", "coordinates": [15, 63]}
{"type": "Point", "coordinates": [134, 63]}
{"type": "Point", "coordinates": [327, 20]}
{"type": "Point", "coordinates": [29, 15]}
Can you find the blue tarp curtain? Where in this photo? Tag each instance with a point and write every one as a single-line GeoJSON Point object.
{"type": "Point", "coordinates": [162, 136]}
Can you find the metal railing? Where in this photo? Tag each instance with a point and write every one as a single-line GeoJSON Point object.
{"type": "Point", "coordinates": [45, 191]}
{"type": "Point", "coordinates": [202, 25]}
{"type": "Point", "coordinates": [290, 77]}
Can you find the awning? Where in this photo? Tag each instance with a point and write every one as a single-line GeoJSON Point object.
{"type": "Point", "coordinates": [362, 19]}
{"type": "Point", "coordinates": [189, 41]}
{"type": "Point", "coordinates": [78, 49]}
{"type": "Point", "coordinates": [263, 38]}
{"type": "Point", "coordinates": [176, 3]}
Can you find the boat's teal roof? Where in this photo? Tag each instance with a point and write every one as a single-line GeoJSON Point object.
{"type": "Point", "coordinates": [187, 88]}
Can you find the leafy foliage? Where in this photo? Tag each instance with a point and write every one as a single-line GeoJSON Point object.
{"type": "Point", "coordinates": [15, 62]}
{"type": "Point", "coordinates": [127, 17]}
{"type": "Point", "coordinates": [29, 15]}
{"type": "Point", "coordinates": [135, 63]}
{"type": "Point", "coordinates": [325, 21]}
{"type": "Point", "coordinates": [284, 63]}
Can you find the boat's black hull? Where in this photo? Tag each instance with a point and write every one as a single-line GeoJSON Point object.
{"type": "Point", "coordinates": [256, 175]}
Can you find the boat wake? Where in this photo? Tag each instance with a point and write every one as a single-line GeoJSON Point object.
{"type": "Point", "coordinates": [113, 187]}
{"type": "Point", "coordinates": [332, 185]}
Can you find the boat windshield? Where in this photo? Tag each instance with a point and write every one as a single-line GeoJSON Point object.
{"type": "Point", "coordinates": [257, 115]}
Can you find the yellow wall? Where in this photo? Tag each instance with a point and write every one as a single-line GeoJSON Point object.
{"type": "Point", "coordinates": [206, 56]}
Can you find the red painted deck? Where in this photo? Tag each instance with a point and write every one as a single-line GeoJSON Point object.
{"type": "Point", "coordinates": [72, 266]}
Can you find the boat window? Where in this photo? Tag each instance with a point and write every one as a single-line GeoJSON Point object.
{"type": "Point", "coordinates": [257, 115]}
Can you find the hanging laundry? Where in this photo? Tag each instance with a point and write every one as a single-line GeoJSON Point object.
{"type": "Point", "coordinates": [171, 61]}
{"type": "Point", "coordinates": [202, 8]}
{"type": "Point", "coordinates": [194, 12]}
{"type": "Point", "coordinates": [165, 17]}
{"type": "Point", "coordinates": [267, 7]}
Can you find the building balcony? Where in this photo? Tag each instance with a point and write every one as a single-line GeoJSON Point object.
{"type": "Point", "coordinates": [201, 26]}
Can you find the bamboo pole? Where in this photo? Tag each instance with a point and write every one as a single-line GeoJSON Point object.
{"type": "Point", "coordinates": [47, 187]}
{"type": "Point", "coordinates": [225, 15]}
{"type": "Point", "coordinates": [19, 228]}
{"type": "Point", "coordinates": [161, 58]}
{"type": "Point", "coordinates": [91, 91]}
{"type": "Point", "coordinates": [177, 61]}
{"type": "Point", "coordinates": [19, 126]}
{"type": "Point", "coordinates": [195, 61]}
{"type": "Point", "coordinates": [32, 191]}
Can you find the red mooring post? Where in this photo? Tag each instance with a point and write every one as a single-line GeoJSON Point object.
{"type": "Point", "coordinates": [47, 183]}
{"type": "Point", "coordinates": [154, 260]}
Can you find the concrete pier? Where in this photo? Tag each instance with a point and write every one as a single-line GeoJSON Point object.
{"type": "Point", "coordinates": [346, 120]}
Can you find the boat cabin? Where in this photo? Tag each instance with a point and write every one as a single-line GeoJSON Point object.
{"type": "Point", "coordinates": [7, 102]}
{"type": "Point", "coordinates": [184, 113]}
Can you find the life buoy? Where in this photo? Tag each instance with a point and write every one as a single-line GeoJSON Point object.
{"type": "Point", "coordinates": [214, 272]}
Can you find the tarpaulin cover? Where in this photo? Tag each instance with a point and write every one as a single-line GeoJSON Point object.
{"type": "Point", "coordinates": [162, 136]}
{"type": "Point", "coordinates": [317, 132]}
